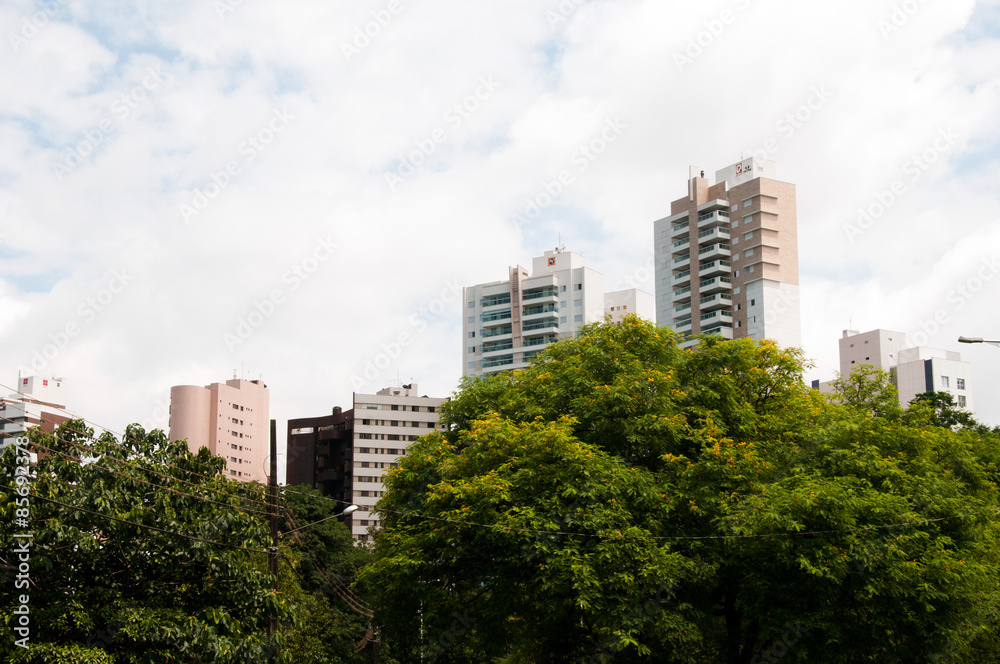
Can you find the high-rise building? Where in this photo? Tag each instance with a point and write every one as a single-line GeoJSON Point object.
{"type": "Point", "coordinates": [727, 257]}
{"type": "Point", "coordinates": [230, 419]}
{"type": "Point", "coordinates": [506, 323]}
{"type": "Point", "coordinates": [39, 401]}
{"type": "Point", "coordinates": [345, 454]}
{"type": "Point", "coordinates": [913, 370]}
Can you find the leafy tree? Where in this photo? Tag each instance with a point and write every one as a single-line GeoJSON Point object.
{"type": "Point", "coordinates": [624, 499]}
{"type": "Point", "coordinates": [146, 552]}
{"type": "Point", "coordinates": [938, 408]}
{"type": "Point", "coordinates": [870, 389]}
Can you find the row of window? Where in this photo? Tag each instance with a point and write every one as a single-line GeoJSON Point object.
{"type": "Point", "coordinates": [396, 406]}
{"type": "Point", "coordinates": [492, 300]}
{"type": "Point", "coordinates": [397, 423]}
{"type": "Point", "coordinates": [385, 436]}
{"type": "Point", "coordinates": [379, 450]}
{"type": "Point", "coordinates": [375, 464]}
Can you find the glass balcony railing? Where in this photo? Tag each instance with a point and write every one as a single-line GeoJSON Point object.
{"type": "Point", "coordinates": [493, 300]}
{"type": "Point", "coordinates": [496, 331]}
{"type": "Point", "coordinates": [539, 325]}
{"type": "Point", "coordinates": [498, 362]}
{"type": "Point", "coordinates": [496, 315]}
{"type": "Point", "coordinates": [543, 292]}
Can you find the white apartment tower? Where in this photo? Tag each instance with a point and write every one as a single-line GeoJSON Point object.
{"type": "Point", "coordinates": [508, 322]}
{"type": "Point", "coordinates": [385, 423]}
{"type": "Point", "coordinates": [727, 257]}
{"type": "Point", "coordinates": [39, 401]}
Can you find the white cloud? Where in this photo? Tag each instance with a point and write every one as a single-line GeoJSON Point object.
{"type": "Point", "coordinates": [450, 220]}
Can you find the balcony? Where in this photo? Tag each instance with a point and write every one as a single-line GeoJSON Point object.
{"type": "Point", "coordinates": [497, 331]}
{"type": "Point", "coordinates": [719, 233]}
{"type": "Point", "coordinates": [538, 293]}
{"type": "Point", "coordinates": [680, 245]}
{"type": "Point", "coordinates": [683, 327]}
{"type": "Point", "coordinates": [721, 330]}
{"type": "Point", "coordinates": [536, 309]}
{"type": "Point", "coordinates": [542, 324]}
{"type": "Point", "coordinates": [682, 309]}
{"type": "Point", "coordinates": [498, 362]}
{"type": "Point", "coordinates": [716, 285]}
{"type": "Point", "coordinates": [713, 219]}
{"type": "Point", "coordinates": [494, 300]}
{"type": "Point", "coordinates": [715, 268]}
{"type": "Point", "coordinates": [722, 316]}
{"type": "Point", "coordinates": [496, 346]}
{"type": "Point", "coordinates": [682, 295]}
{"type": "Point", "coordinates": [681, 262]}
{"type": "Point", "coordinates": [714, 251]}
{"type": "Point", "coordinates": [683, 278]}
{"type": "Point", "coordinates": [496, 315]}
{"type": "Point", "coordinates": [679, 230]}
{"type": "Point", "coordinates": [716, 301]}
{"type": "Point", "coordinates": [540, 341]}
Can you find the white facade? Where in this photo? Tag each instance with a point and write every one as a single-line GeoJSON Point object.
{"type": "Point", "coordinates": [506, 323]}
{"type": "Point", "coordinates": [619, 304]}
{"type": "Point", "coordinates": [914, 370]}
{"type": "Point", "coordinates": [38, 398]}
{"type": "Point", "coordinates": [385, 424]}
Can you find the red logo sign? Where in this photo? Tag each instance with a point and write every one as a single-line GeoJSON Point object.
{"type": "Point", "coordinates": [552, 261]}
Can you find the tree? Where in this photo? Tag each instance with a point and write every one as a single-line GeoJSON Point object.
{"type": "Point", "coordinates": [624, 498]}
{"type": "Point", "coordinates": [146, 552]}
{"type": "Point", "coordinates": [870, 389]}
{"type": "Point", "coordinates": [938, 408]}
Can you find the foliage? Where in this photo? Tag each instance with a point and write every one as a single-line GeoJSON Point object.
{"type": "Point", "coordinates": [787, 525]}
{"type": "Point", "coordinates": [133, 590]}
{"type": "Point", "coordinates": [870, 389]}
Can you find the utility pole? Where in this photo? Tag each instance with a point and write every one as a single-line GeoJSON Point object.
{"type": "Point", "coordinates": [272, 555]}
{"type": "Point", "coordinates": [375, 646]}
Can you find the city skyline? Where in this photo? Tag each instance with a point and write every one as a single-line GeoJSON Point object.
{"type": "Point", "coordinates": [300, 194]}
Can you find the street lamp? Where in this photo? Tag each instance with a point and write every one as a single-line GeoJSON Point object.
{"type": "Point", "coordinates": [978, 340]}
{"type": "Point", "coordinates": [347, 510]}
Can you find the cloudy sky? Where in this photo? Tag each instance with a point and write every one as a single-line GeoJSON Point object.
{"type": "Point", "coordinates": [290, 190]}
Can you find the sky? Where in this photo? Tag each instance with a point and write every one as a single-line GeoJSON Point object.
{"type": "Point", "coordinates": [297, 191]}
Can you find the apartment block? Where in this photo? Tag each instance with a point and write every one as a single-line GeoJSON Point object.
{"type": "Point", "coordinates": [913, 370]}
{"type": "Point", "coordinates": [346, 454]}
{"type": "Point", "coordinates": [230, 419]}
{"type": "Point", "coordinates": [727, 257]}
{"type": "Point", "coordinates": [508, 322]}
{"type": "Point", "coordinates": [39, 401]}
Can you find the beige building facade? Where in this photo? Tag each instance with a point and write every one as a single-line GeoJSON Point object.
{"type": "Point", "coordinates": [230, 419]}
{"type": "Point", "coordinates": [727, 257]}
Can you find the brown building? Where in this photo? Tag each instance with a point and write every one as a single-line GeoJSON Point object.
{"type": "Point", "coordinates": [727, 257]}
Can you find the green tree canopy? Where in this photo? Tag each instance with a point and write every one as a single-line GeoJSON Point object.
{"type": "Point", "coordinates": [626, 499]}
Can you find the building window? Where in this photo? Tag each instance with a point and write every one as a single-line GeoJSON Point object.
{"type": "Point", "coordinates": [430, 409]}
{"type": "Point", "coordinates": [736, 222]}
{"type": "Point", "coordinates": [562, 319]}
{"type": "Point", "coordinates": [749, 269]}
{"type": "Point", "coordinates": [236, 406]}
{"type": "Point", "coordinates": [944, 381]}
{"type": "Point", "coordinates": [736, 291]}
{"type": "Point", "coordinates": [472, 335]}
{"type": "Point", "coordinates": [472, 320]}
{"type": "Point", "coordinates": [738, 307]}
{"type": "Point", "coordinates": [961, 401]}
{"type": "Point", "coordinates": [577, 286]}
{"type": "Point", "coordinates": [748, 253]}
{"type": "Point", "coordinates": [578, 318]}
{"type": "Point", "coordinates": [960, 384]}
{"type": "Point", "coordinates": [747, 203]}
{"type": "Point", "coordinates": [753, 302]}
{"type": "Point", "coordinates": [736, 273]}
{"type": "Point", "coordinates": [736, 240]}
{"type": "Point", "coordinates": [739, 324]}
{"type": "Point", "coordinates": [472, 349]}
{"type": "Point", "coordinates": [563, 304]}
{"type": "Point", "coordinates": [578, 303]}
{"type": "Point", "coordinates": [472, 305]}
{"type": "Point", "coordinates": [748, 236]}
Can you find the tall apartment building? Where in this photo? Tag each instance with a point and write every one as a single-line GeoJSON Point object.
{"type": "Point", "coordinates": [727, 257]}
{"type": "Point", "coordinates": [913, 370]}
{"type": "Point", "coordinates": [230, 419]}
{"type": "Point", "coordinates": [508, 322]}
{"type": "Point", "coordinates": [345, 454]}
{"type": "Point", "coordinates": [39, 401]}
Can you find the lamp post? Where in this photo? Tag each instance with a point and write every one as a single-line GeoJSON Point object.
{"type": "Point", "coordinates": [978, 340]}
